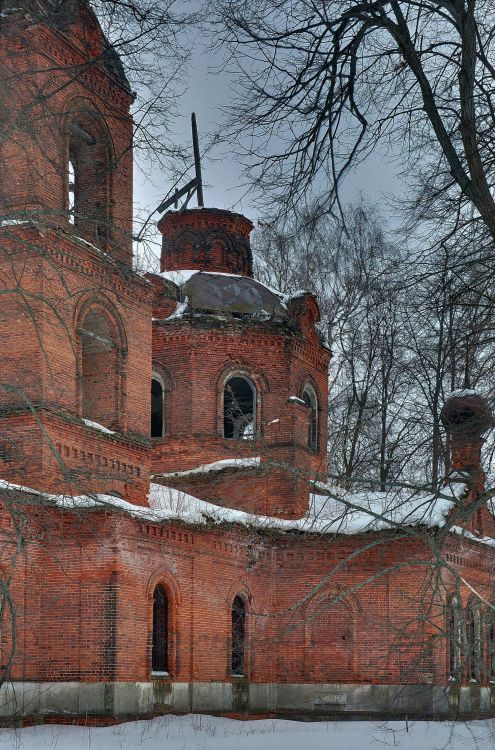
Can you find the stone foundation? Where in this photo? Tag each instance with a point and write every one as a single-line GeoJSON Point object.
{"type": "Point", "coordinates": [127, 700]}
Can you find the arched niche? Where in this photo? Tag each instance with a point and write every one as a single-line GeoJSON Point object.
{"type": "Point", "coordinates": [89, 164]}
{"type": "Point", "coordinates": [102, 355]}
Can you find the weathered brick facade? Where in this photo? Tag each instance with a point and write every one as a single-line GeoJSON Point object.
{"type": "Point", "coordinates": [333, 622]}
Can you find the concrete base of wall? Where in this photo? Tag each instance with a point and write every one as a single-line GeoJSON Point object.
{"type": "Point", "coordinates": [19, 700]}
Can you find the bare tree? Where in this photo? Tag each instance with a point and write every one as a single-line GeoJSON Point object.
{"type": "Point", "coordinates": [324, 84]}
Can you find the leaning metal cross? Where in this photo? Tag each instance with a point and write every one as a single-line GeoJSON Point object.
{"type": "Point", "coordinates": [195, 185]}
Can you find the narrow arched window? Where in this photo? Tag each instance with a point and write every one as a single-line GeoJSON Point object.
{"type": "Point", "coordinates": [491, 648]}
{"type": "Point", "coordinates": [238, 636]}
{"type": "Point", "coordinates": [239, 409]}
{"type": "Point", "coordinates": [473, 642]}
{"type": "Point", "coordinates": [89, 170]}
{"type": "Point", "coordinates": [72, 191]}
{"type": "Point", "coordinates": [157, 408]}
{"type": "Point", "coordinates": [159, 648]}
{"type": "Point", "coordinates": [100, 370]}
{"type": "Point", "coordinates": [453, 634]}
{"type": "Point", "coordinates": [309, 398]}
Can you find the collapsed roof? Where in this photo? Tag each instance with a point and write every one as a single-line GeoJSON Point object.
{"type": "Point", "coordinates": [221, 293]}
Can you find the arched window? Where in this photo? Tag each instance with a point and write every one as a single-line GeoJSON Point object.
{"type": "Point", "coordinates": [72, 191]}
{"type": "Point", "coordinates": [453, 634]}
{"type": "Point", "coordinates": [101, 369]}
{"type": "Point", "coordinates": [157, 408]}
{"type": "Point", "coordinates": [473, 642]}
{"type": "Point", "coordinates": [309, 398]}
{"type": "Point", "coordinates": [239, 409]}
{"type": "Point", "coordinates": [238, 636]}
{"type": "Point", "coordinates": [159, 647]}
{"type": "Point", "coordinates": [490, 634]}
{"type": "Point", "coordinates": [88, 194]}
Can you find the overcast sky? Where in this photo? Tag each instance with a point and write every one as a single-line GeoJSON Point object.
{"type": "Point", "coordinates": [206, 92]}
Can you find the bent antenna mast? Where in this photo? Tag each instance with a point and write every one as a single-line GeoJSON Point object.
{"type": "Point", "coordinates": [195, 185]}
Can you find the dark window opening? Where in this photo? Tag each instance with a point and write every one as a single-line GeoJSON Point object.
{"type": "Point", "coordinates": [100, 371]}
{"type": "Point", "coordinates": [157, 406]}
{"type": "Point", "coordinates": [72, 191]}
{"type": "Point", "coordinates": [239, 409]}
{"type": "Point", "coordinates": [159, 651]}
{"type": "Point", "coordinates": [309, 398]}
{"type": "Point", "coordinates": [453, 632]}
{"type": "Point", "coordinates": [473, 644]}
{"type": "Point", "coordinates": [88, 196]}
{"type": "Point", "coordinates": [491, 651]}
{"type": "Point", "coordinates": [238, 636]}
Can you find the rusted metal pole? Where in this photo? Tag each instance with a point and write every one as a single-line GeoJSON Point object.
{"type": "Point", "coordinates": [197, 161]}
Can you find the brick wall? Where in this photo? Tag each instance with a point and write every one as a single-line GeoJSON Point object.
{"type": "Point", "coordinates": [347, 609]}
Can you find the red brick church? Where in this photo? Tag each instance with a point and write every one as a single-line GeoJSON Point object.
{"type": "Point", "coordinates": [169, 538]}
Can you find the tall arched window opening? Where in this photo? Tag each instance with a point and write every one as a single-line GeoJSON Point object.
{"type": "Point", "coordinates": [72, 191]}
{"type": "Point", "coordinates": [159, 647]}
{"type": "Point", "coordinates": [238, 636]}
{"type": "Point", "coordinates": [453, 634]}
{"type": "Point", "coordinates": [473, 642]}
{"type": "Point", "coordinates": [89, 167]}
{"type": "Point", "coordinates": [491, 647]}
{"type": "Point", "coordinates": [100, 370]}
{"type": "Point", "coordinates": [157, 408]}
{"type": "Point", "coordinates": [309, 398]}
{"type": "Point", "coordinates": [239, 409]}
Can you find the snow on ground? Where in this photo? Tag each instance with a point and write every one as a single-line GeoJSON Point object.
{"type": "Point", "coordinates": [196, 732]}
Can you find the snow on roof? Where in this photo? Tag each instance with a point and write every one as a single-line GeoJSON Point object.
{"type": "Point", "coordinates": [178, 277]}
{"type": "Point", "coordinates": [462, 393]}
{"type": "Point", "coordinates": [331, 511]}
{"type": "Point", "coordinates": [294, 295]}
{"type": "Point", "coordinates": [226, 463]}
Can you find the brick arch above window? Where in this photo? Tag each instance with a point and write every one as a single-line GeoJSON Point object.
{"type": "Point", "coordinates": [164, 375]}
{"type": "Point", "coordinates": [166, 578]}
{"type": "Point", "coordinates": [102, 302]}
{"type": "Point", "coordinates": [240, 588]}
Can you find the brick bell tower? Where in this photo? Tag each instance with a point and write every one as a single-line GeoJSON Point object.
{"type": "Point", "coordinates": [239, 373]}
{"type": "Point", "coordinates": [75, 322]}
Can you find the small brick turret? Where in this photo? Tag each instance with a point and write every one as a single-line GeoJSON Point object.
{"type": "Point", "coordinates": [466, 417]}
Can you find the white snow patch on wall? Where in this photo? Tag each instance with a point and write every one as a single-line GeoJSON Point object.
{"type": "Point", "coordinates": [97, 425]}
{"type": "Point", "coordinates": [226, 463]}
